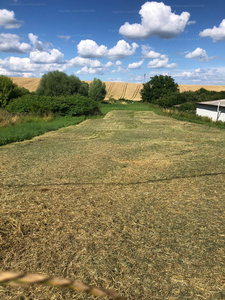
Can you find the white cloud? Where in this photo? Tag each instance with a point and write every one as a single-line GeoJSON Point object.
{"type": "Point", "coordinates": [135, 65]}
{"type": "Point", "coordinates": [120, 70]}
{"type": "Point", "coordinates": [217, 33]}
{"type": "Point", "coordinates": [191, 22]}
{"type": "Point", "coordinates": [43, 57]}
{"type": "Point", "coordinates": [82, 62]}
{"type": "Point", "coordinates": [199, 54]}
{"type": "Point", "coordinates": [16, 66]}
{"type": "Point", "coordinates": [34, 41]}
{"type": "Point", "coordinates": [203, 76]}
{"type": "Point", "coordinates": [10, 43]}
{"type": "Point", "coordinates": [147, 53]}
{"type": "Point", "coordinates": [65, 37]}
{"type": "Point", "coordinates": [156, 19]}
{"type": "Point", "coordinates": [90, 49]}
{"type": "Point", "coordinates": [115, 80]}
{"type": "Point", "coordinates": [85, 70]}
{"type": "Point", "coordinates": [161, 63]}
{"type": "Point", "coordinates": [108, 64]}
{"type": "Point", "coordinates": [7, 19]}
{"type": "Point", "coordinates": [122, 50]}
{"type": "Point", "coordinates": [118, 62]}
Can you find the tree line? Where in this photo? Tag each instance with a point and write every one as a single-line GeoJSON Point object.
{"type": "Point", "coordinates": [57, 92]}
{"type": "Point", "coordinates": [164, 92]}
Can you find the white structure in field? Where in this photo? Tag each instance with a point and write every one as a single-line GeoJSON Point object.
{"type": "Point", "coordinates": [214, 110]}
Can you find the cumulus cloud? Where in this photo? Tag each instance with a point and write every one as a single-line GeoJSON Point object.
{"type": "Point", "coordinates": [161, 63]}
{"type": "Point", "coordinates": [89, 66]}
{"type": "Point", "coordinates": [10, 43]}
{"type": "Point", "coordinates": [16, 66]}
{"type": "Point", "coordinates": [136, 65]}
{"type": "Point", "coordinates": [199, 54]}
{"type": "Point", "coordinates": [122, 50]}
{"type": "Point", "coordinates": [85, 70]}
{"type": "Point", "coordinates": [90, 49]}
{"type": "Point", "coordinates": [34, 41]}
{"type": "Point", "coordinates": [118, 62]}
{"type": "Point", "coordinates": [82, 62]}
{"type": "Point", "coordinates": [7, 19]}
{"type": "Point", "coordinates": [147, 53]}
{"type": "Point", "coordinates": [120, 70]}
{"type": "Point", "coordinates": [203, 76]}
{"type": "Point", "coordinates": [156, 19]}
{"type": "Point", "coordinates": [42, 57]}
{"type": "Point", "coordinates": [217, 33]}
{"type": "Point", "coordinates": [108, 64]}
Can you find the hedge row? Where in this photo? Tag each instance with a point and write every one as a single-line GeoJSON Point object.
{"type": "Point", "coordinates": [75, 105]}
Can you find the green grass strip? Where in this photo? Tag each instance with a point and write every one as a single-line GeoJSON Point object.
{"type": "Point", "coordinates": [26, 131]}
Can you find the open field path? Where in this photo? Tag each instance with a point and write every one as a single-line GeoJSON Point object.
{"type": "Point", "coordinates": [132, 202]}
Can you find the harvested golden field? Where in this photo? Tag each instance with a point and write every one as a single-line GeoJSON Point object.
{"type": "Point", "coordinates": [29, 83]}
{"type": "Point", "coordinates": [133, 202]}
{"type": "Point", "coordinates": [116, 90]}
{"type": "Point", "coordinates": [187, 87]}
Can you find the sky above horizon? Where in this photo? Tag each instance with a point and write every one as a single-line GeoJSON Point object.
{"type": "Point", "coordinates": [123, 41]}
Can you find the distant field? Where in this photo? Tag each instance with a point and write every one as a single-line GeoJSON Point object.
{"type": "Point", "coordinates": [116, 90]}
{"type": "Point", "coordinates": [133, 202]}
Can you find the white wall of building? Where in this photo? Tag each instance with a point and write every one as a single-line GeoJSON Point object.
{"type": "Point", "coordinates": [211, 112]}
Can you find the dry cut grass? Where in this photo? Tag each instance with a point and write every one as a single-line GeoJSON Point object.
{"type": "Point", "coordinates": [116, 90]}
{"type": "Point", "coordinates": [133, 202]}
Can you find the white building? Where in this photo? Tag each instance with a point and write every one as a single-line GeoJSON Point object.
{"type": "Point", "coordinates": [214, 110]}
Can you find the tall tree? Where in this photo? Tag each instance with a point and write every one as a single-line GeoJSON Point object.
{"type": "Point", "coordinates": [157, 87]}
{"type": "Point", "coordinates": [97, 90]}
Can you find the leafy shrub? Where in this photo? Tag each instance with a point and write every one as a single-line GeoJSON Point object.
{"type": "Point", "coordinates": [187, 106]}
{"type": "Point", "coordinates": [158, 87]}
{"type": "Point", "coordinates": [70, 105]}
{"type": "Point", "coordinates": [9, 90]}
{"type": "Point", "coordinates": [57, 83]}
{"type": "Point", "coordinates": [97, 90]}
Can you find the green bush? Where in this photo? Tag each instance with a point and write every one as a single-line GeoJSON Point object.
{"type": "Point", "coordinates": [97, 90]}
{"type": "Point", "coordinates": [57, 83]}
{"type": "Point", "coordinates": [187, 106]}
{"type": "Point", "coordinates": [70, 105]}
{"type": "Point", "coordinates": [9, 90]}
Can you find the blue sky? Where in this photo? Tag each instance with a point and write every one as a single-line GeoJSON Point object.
{"type": "Point", "coordinates": [114, 40]}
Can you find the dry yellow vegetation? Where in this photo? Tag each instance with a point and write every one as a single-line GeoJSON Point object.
{"type": "Point", "coordinates": [133, 202]}
{"type": "Point", "coordinates": [116, 90]}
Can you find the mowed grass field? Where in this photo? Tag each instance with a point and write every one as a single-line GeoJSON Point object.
{"type": "Point", "coordinates": [133, 202]}
{"type": "Point", "coordinates": [116, 90]}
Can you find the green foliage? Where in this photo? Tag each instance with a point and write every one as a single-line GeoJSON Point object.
{"type": "Point", "coordinates": [57, 83]}
{"type": "Point", "coordinates": [187, 106]}
{"type": "Point", "coordinates": [9, 90]}
{"type": "Point", "coordinates": [70, 105]}
{"type": "Point", "coordinates": [158, 87]}
{"type": "Point", "coordinates": [26, 131]}
{"type": "Point", "coordinates": [97, 90]}
{"type": "Point", "coordinates": [176, 98]}
{"type": "Point", "coordinates": [83, 89]}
